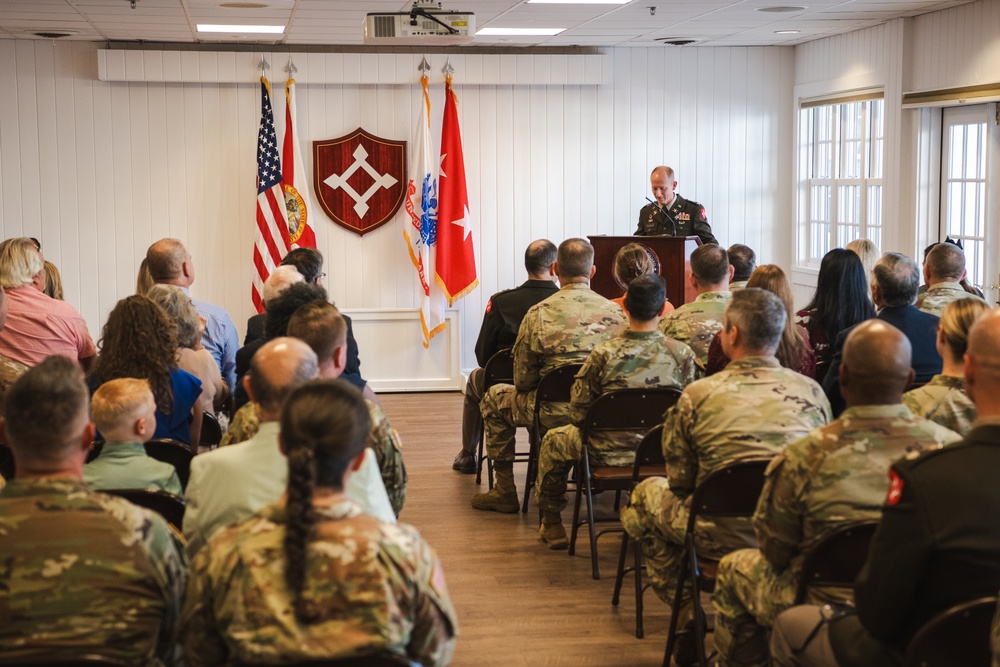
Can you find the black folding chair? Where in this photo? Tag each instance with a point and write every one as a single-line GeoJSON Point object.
{"type": "Point", "coordinates": [499, 369]}
{"type": "Point", "coordinates": [167, 505]}
{"type": "Point", "coordinates": [211, 431]}
{"type": "Point", "coordinates": [554, 387]}
{"type": "Point", "coordinates": [957, 636]}
{"type": "Point", "coordinates": [837, 558]}
{"type": "Point", "coordinates": [619, 411]}
{"type": "Point", "coordinates": [174, 452]}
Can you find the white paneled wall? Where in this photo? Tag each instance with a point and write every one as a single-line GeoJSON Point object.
{"type": "Point", "coordinates": [957, 47]}
{"type": "Point", "coordinates": [98, 170]}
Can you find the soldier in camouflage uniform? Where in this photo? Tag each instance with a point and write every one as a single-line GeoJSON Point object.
{"type": "Point", "coordinates": [696, 323]}
{"type": "Point", "coordinates": [83, 572]}
{"type": "Point", "coordinates": [944, 269]}
{"type": "Point", "coordinates": [836, 474]}
{"type": "Point", "coordinates": [752, 408]}
{"type": "Point", "coordinates": [943, 400]}
{"type": "Point", "coordinates": [311, 577]}
{"type": "Point", "coordinates": [560, 330]}
{"type": "Point", "coordinates": [642, 357]}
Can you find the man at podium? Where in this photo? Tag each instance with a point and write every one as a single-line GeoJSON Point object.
{"type": "Point", "coordinates": [671, 214]}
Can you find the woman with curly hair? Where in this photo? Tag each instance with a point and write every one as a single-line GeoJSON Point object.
{"type": "Point", "coordinates": [139, 340]}
{"type": "Point", "coordinates": [794, 350]}
{"type": "Point", "coordinates": [311, 577]}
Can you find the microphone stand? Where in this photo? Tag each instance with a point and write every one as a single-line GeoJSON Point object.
{"type": "Point", "coordinates": [666, 215]}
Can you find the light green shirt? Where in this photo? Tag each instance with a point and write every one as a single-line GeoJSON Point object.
{"type": "Point", "coordinates": [126, 465]}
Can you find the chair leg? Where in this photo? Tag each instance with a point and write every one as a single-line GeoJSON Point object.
{"type": "Point", "coordinates": [620, 575]}
{"type": "Point", "coordinates": [639, 589]}
{"type": "Point", "coordinates": [479, 463]}
{"type": "Point", "coordinates": [675, 611]}
{"type": "Point", "coordinates": [576, 518]}
{"type": "Point", "coordinates": [534, 439]}
{"type": "Point", "coordinates": [590, 523]}
{"type": "Point", "coordinates": [699, 615]}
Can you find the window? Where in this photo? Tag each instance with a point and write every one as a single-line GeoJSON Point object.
{"type": "Point", "coordinates": [842, 148]}
{"type": "Point", "coordinates": [963, 185]}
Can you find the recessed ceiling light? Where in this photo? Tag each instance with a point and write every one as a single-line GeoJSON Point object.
{"type": "Point", "coordinates": [579, 2]}
{"type": "Point", "coordinates": [245, 29]}
{"type": "Point", "coordinates": [781, 9]}
{"type": "Point", "coordinates": [786, 32]}
{"type": "Point", "coordinates": [520, 32]}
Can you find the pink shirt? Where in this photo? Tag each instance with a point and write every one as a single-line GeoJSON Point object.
{"type": "Point", "coordinates": [39, 326]}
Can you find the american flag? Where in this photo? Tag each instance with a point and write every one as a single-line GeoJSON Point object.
{"type": "Point", "coordinates": [272, 218]}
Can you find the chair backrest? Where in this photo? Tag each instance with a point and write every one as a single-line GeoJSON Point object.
{"type": "Point", "coordinates": [837, 558]}
{"type": "Point", "coordinates": [175, 453]}
{"type": "Point", "coordinates": [636, 409]}
{"type": "Point", "coordinates": [555, 386]}
{"type": "Point", "coordinates": [7, 467]}
{"type": "Point", "coordinates": [957, 636]}
{"type": "Point", "coordinates": [730, 491]}
{"type": "Point", "coordinates": [649, 452]}
{"type": "Point", "coordinates": [211, 432]}
{"type": "Point", "coordinates": [383, 659]}
{"type": "Point", "coordinates": [499, 368]}
{"type": "Point", "coordinates": [167, 505]}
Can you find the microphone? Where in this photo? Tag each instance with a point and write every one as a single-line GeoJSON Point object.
{"type": "Point", "coordinates": [663, 211]}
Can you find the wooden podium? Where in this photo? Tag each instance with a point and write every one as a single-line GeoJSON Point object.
{"type": "Point", "coordinates": [674, 253]}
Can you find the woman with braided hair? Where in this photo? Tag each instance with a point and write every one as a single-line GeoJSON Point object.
{"type": "Point", "coordinates": [310, 577]}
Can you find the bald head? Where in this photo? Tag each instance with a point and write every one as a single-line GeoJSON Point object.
{"type": "Point", "coordinates": [169, 262]}
{"type": "Point", "coordinates": [982, 364]}
{"type": "Point", "coordinates": [278, 367]}
{"type": "Point", "coordinates": [876, 369]}
{"type": "Point", "coordinates": [944, 263]}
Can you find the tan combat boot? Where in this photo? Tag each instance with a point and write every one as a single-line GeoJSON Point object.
{"type": "Point", "coordinates": [503, 496]}
{"type": "Point", "coordinates": [552, 532]}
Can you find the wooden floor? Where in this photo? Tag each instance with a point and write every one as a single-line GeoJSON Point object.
{"type": "Point", "coordinates": [518, 602]}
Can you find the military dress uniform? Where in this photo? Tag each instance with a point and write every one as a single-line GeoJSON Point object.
{"type": "Point", "coordinates": [85, 572]}
{"type": "Point", "coordinates": [943, 400]}
{"type": "Point", "coordinates": [835, 475]}
{"type": "Point", "coordinates": [752, 408]}
{"type": "Point", "coordinates": [689, 217]}
{"type": "Point", "coordinates": [373, 585]}
{"type": "Point", "coordinates": [939, 295]}
{"type": "Point", "coordinates": [636, 359]}
{"type": "Point", "coordinates": [504, 312]}
{"type": "Point", "coordinates": [696, 323]}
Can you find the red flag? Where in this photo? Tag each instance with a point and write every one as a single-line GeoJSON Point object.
{"type": "Point", "coordinates": [272, 219]}
{"type": "Point", "coordinates": [294, 180]}
{"type": "Point", "coordinates": [455, 258]}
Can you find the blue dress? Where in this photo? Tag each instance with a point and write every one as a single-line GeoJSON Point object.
{"type": "Point", "coordinates": [176, 425]}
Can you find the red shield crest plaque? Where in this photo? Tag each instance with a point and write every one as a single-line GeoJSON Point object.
{"type": "Point", "coordinates": [360, 179]}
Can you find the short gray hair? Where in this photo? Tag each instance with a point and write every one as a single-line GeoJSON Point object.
{"type": "Point", "coordinates": [279, 280]}
{"type": "Point", "coordinates": [898, 279]}
{"type": "Point", "coordinates": [181, 310]}
{"type": "Point", "coordinates": [759, 315]}
{"type": "Point", "coordinates": [20, 262]}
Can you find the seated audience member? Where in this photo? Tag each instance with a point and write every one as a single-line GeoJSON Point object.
{"type": "Point", "coordinates": [895, 279]}
{"type": "Point", "coordinates": [869, 254]}
{"type": "Point", "coordinates": [642, 357]}
{"type": "Point", "coordinates": [143, 281]}
{"type": "Point", "coordinates": [944, 270]}
{"type": "Point", "coordinates": [83, 572]}
{"type": "Point", "coordinates": [937, 545]}
{"type": "Point", "coordinates": [841, 300]}
{"type": "Point", "coordinates": [37, 325]}
{"type": "Point", "coordinates": [697, 322]}
{"type": "Point", "coordinates": [744, 261]}
{"type": "Point", "coordinates": [280, 278]}
{"type": "Point", "coordinates": [561, 330]}
{"type": "Point", "coordinates": [309, 263]}
{"type": "Point", "coordinates": [631, 261]}
{"type": "Point", "coordinates": [794, 352]}
{"type": "Point", "coordinates": [752, 408]}
{"type": "Point", "coordinates": [125, 413]}
{"type": "Point", "coordinates": [10, 370]}
{"type": "Point", "coordinates": [337, 583]}
{"type": "Point", "coordinates": [943, 400]}
{"type": "Point", "coordinates": [53, 281]}
{"type": "Point", "coordinates": [833, 476]}
{"type": "Point", "coordinates": [964, 282]}
{"type": "Point", "coordinates": [191, 354]}
{"type": "Point", "coordinates": [321, 326]}
{"type": "Point", "coordinates": [170, 263]}
{"type": "Point", "coordinates": [504, 312]}
{"type": "Point", "coordinates": [140, 341]}
{"type": "Point", "coordinates": [231, 483]}
{"type": "Point", "coordinates": [281, 308]}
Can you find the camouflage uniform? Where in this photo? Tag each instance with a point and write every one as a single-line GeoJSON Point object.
{"type": "Point", "coordinates": [86, 572]}
{"type": "Point", "coordinates": [374, 585]}
{"type": "Point", "coordinates": [940, 295]}
{"type": "Point", "coordinates": [696, 323]}
{"type": "Point", "coordinates": [383, 440]}
{"type": "Point", "coordinates": [752, 408]}
{"type": "Point", "coordinates": [10, 370]}
{"type": "Point", "coordinates": [836, 474]}
{"type": "Point", "coordinates": [636, 359]}
{"type": "Point", "coordinates": [560, 330]}
{"type": "Point", "coordinates": [943, 400]}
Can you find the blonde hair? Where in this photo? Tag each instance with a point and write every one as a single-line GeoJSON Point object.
{"type": "Point", "coordinates": [118, 402]}
{"type": "Point", "coordinates": [53, 281]}
{"type": "Point", "coordinates": [792, 348]}
{"type": "Point", "coordinates": [956, 320]}
{"type": "Point", "coordinates": [869, 254]}
{"type": "Point", "coordinates": [20, 262]}
{"type": "Point", "coordinates": [143, 281]}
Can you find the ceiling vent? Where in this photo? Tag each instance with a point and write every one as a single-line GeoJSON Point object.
{"type": "Point", "coordinates": [54, 34]}
{"type": "Point", "coordinates": [680, 41]}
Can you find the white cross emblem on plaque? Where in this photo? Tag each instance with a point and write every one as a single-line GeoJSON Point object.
{"type": "Point", "coordinates": [360, 162]}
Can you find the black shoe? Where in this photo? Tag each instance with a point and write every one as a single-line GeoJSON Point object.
{"type": "Point", "coordinates": [465, 463]}
{"type": "Point", "coordinates": [686, 650]}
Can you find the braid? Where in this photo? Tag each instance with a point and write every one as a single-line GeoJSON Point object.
{"type": "Point", "coordinates": [301, 520]}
